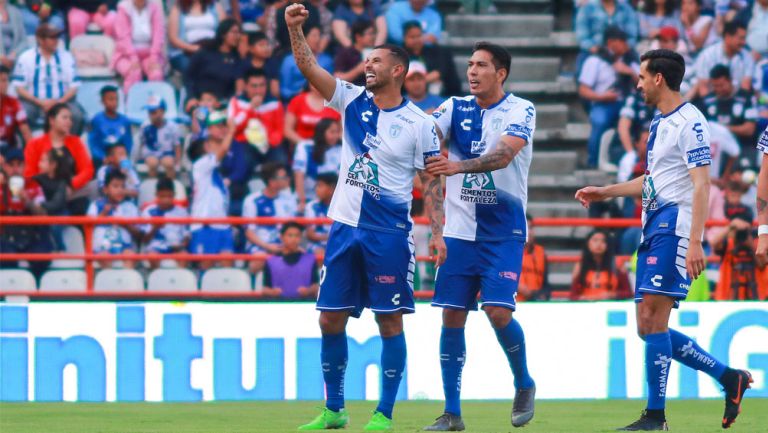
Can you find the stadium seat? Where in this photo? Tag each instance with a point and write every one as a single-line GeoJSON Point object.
{"type": "Point", "coordinates": [139, 94]}
{"type": "Point", "coordinates": [118, 280]}
{"type": "Point", "coordinates": [172, 280]}
{"type": "Point", "coordinates": [73, 244]}
{"type": "Point", "coordinates": [147, 193]}
{"type": "Point", "coordinates": [63, 281]}
{"type": "Point", "coordinates": [101, 47]}
{"type": "Point", "coordinates": [88, 96]}
{"type": "Point", "coordinates": [603, 159]}
{"type": "Point", "coordinates": [17, 280]}
{"type": "Point", "coordinates": [226, 280]}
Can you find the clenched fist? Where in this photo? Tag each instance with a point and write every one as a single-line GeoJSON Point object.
{"type": "Point", "coordinates": [295, 15]}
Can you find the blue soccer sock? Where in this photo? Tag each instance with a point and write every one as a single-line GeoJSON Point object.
{"type": "Point", "coordinates": [687, 352]}
{"type": "Point", "coordinates": [658, 358]}
{"type": "Point", "coordinates": [512, 340]}
{"type": "Point", "coordinates": [393, 354]}
{"type": "Point", "coordinates": [453, 352]}
{"type": "Point", "coordinates": [333, 355]}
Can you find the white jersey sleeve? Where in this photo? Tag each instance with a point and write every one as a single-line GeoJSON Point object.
{"type": "Point", "coordinates": [427, 143]}
{"type": "Point", "coordinates": [694, 143]}
{"type": "Point", "coordinates": [762, 143]}
{"type": "Point", "coordinates": [443, 116]}
{"type": "Point", "coordinates": [344, 94]}
{"type": "Point", "coordinates": [521, 123]}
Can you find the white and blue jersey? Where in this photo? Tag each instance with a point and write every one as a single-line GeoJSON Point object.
{"type": "Point", "coordinates": [169, 236]}
{"type": "Point", "coordinates": [112, 238]}
{"type": "Point", "coordinates": [380, 153]}
{"type": "Point", "coordinates": [260, 205]}
{"type": "Point", "coordinates": [210, 195]}
{"type": "Point", "coordinates": [305, 163]}
{"type": "Point", "coordinates": [487, 206]}
{"type": "Point", "coordinates": [762, 143]}
{"type": "Point", "coordinates": [318, 209]}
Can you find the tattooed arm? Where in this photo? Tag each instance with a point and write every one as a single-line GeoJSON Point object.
{"type": "Point", "coordinates": [507, 148]}
{"type": "Point", "coordinates": [762, 212]}
{"type": "Point", "coordinates": [433, 203]}
{"type": "Point", "coordinates": [295, 16]}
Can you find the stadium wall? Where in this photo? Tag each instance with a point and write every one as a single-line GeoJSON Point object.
{"type": "Point", "coordinates": [234, 351]}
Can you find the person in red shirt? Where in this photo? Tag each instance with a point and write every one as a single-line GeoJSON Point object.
{"type": "Point", "coordinates": [304, 112]}
{"type": "Point", "coordinates": [266, 133]}
{"type": "Point", "coordinates": [13, 118]}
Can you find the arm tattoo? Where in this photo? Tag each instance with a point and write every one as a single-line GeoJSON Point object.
{"type": "Point", "coordinates": [495, 160]}
{"type": "Point", "coordinates": [762, 206]}
{"type": "Point", "coordinates": [433, 200]}
{"type": "Point", "coordinates": [305, 58]}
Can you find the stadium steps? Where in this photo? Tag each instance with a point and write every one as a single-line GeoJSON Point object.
{"type": "Point", "coordinates": [524, 69]}
{"type": "Point", "coordinates": [502, 6]}
{"type": "Point", "coordinates": [544, 45]}
{"type": "Point", "coordinates": [564, 209]}
{"type": "Point", "coordinates": [500, 25]}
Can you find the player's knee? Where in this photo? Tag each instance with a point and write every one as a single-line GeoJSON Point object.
{"type": "Point", "coordinates": [498, 316]}
{"type": "Point", "coordinates": [331, 323]}
{"type": "Point", "coordinates": [389, 324]}
{"type": "Point", "coordinates": [454, 318]}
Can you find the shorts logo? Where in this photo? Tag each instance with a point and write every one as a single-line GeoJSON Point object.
{"type": "Point", "coordinates": [508, 275]}
{"type": "Point", "coordinates": [656, 280]}
{"type": "Point", "coordinates": [385, 279]}
{"type": "Point", "coordinates": [322, 274]}
{"type": "Point", "coordinates": [478, 188]}
{"type": "Point", "coordinates": [364, 174]}
{"type": "Point", "coordinates": [396, 299]}
{"type": "Point", "coordinates": [652, 260]}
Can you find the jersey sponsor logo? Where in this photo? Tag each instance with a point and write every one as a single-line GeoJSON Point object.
{"type": "Point", "coordinates": [466, 109]}
{"type": "Point", "coordinates": [651, 260]}
{"type": "Point", "coordinates": [430, 154]}
{"type": "Point", "coordinates": [366, 115]}
{"type": "Point", "coordinates": [700, 155]}
{"type": "Point", "coordinates": [478, 188]}
{"type": "Point", "coordinates": [508, 275]}
{"type": "Point", "coordinates": [442, 109]}
{"type": "Point", "coordinates": [364, 174]}
{"type": "Point", "coordinates": [395, 130]}
{"type": "Point", "coordinates": [466, 124]}
{"type": "Point", "coordinates": [372, 141]}
{"type": "Point", "coordinates": [405, 119]}
{"type": "Point", "coordinates": [663, 363]}
{"type": "Point", "coordinates": [385, 279]}
{"type": "Point", "coordinates": [518, 130]}
{"type": "Point", "coordinates": [689, 350]}
{"type": "Point", "coordinates": [649, 194]}
{"type": "Point", "coordinates": [762, 144]}
{"type": "Point", "coordinates": [699, 130]}
{"type": "Point", "coordinates": [477, 147]}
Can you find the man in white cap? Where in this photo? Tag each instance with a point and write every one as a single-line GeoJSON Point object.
{"type": "Point", "coordinates": [416, 87]}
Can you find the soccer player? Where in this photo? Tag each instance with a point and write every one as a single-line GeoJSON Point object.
{"type": "Point", "coordinates": [369, 259]}
{"type": "Point", "coordinates": [762, 203]}
{"type": "Point", "coordinates": [490, 140]}
{"type": "Point", "coordinates": [675, 192]}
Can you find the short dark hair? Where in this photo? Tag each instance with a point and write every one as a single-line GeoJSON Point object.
{"type": "Point", "coordinates": [4, 70]}
{"type": "Point", "coordinates": [499, 56]}
{"type": "Point", "coordinates": [254, 72]}
{"type": "Point", "coordinates": [720, 71]}
{"type": "Point", "coordinates": [330, 179]}
{"type": "Point", "coordinates": [731, 27]}
{"type": "Point", "coordinates": [52, 113]}
{"type": "Point", "coordinates": [360, 27]}
{"type": "Point", "coordinates": [269, 171]}
{"type": "Point", "coordinates": [291, 225]}
{"type": "Point", "coordinates": [413, 24]}
{"type": "Point", "coordinates": [614, 32]}
{"type": "Point", "coordinates": [165, 184]}
{"type": "Point", "coordinates": [111, 148]}
{"type": "Point", "coordinates": [109, 88]}
{"type": "Point", "coordinates": [256, 37]}
{"type": "Point", "coordinates": [113, 175]}
{"type": "Point", "coordinates": [399, 54]}
{"type": "Point", "coordinates": [668, 63]}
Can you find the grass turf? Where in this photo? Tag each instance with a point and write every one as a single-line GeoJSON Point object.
{"type": "Point", "coordinates": [694, 416]}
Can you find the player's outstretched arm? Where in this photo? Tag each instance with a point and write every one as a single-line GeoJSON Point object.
{"type": "Point", "coordinates": [762, 213]}
{"type": "Point", "coordinates": [433, 201]}
{"type": "Point", "coordinates": [695, 261]}
{"type": "Point", "coordinates": [499, 158]}
{"type": "Point", "coordinates": [295, 16]}
{"type": "Point", "coordinates": [632, 188]}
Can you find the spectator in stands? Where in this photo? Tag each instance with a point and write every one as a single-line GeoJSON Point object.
{"type": "Point", "coordinates": [191, 22]}
{"type": "Point", "coordinates": [303, 114]}
{"type": "Point", "coordinates": [657, 14]}
{"type": "Point", "coordinates": [47, 76]}
{"type": "Point", "coordinates": [326, 20]}
{"type": "Point", "coordinates": [317, 234]}
{"type": "Point", "coordinates": [275, 200]}
{"type": "Point", "coordinates": [634, 118]}
{"type": "Point", "coordinates": [441, 69]}
{"type": "Point", "coordinates": [165, 238]}
{"type": "Point", "coordinates": [140, 42]}
{"type": "Point", "coordinates": [117, 160]}
{"type": "Point", "coordinates": [315, 19]}
{"type": "Point", "coordinates": [349, 62]}
{"type": "Point", "coordinates": [606, 78]}
{"type": "Point", "coordinates": [726, 11]}
{"type": "Point", "coordinates": [108, 127]}
{"type": "Point", "coordinates": [160, 140]}
{"type": "Point", "coordinates": [260, 57]}
{"type": "Point", "coordinates": [271, 19]}
{"type": "Point", "coordinates": [402, 12]}
{"type": "Point", "coordinates": [740, 278]}
{"type": "Point", "coordinates": [698, 29]}
{"type": "Point", "coordinates": [350, 12]}
{"type": "Point", "coordinates": [596, 276]}
{"type": "Point", "coordinates": [54, 178]}
{"type": "Point", "coordinates": [13, 37]}
{"type": "Point", "coordinates": [291, 79]}
{"type": "Point", "coordinates": [725, 151]}
{"type": "Point", "coordinates": [58, 123]}
{"type": "Point", "coordinates": [534, 276]}
{"type": "Point", "coordinates": [729, 52]}
{"type": "Point", "coordinates": [114, 239]}
{"type": "Point", "coordinates": [210, 193]}
{"type": "Point", "coordinates": [84, 12]}
{"type": "Point", "coordinates": [315, 157]}
{"type": "Point", "coordinates": [246, 11]}
{"type": "Point", "coordinates": [13, 118]}
{"type": "Point", "coordinates": [732, 107]}
{"type": "Point", "coordinates": [215, 67]}
{"type": "Point", "coordinates": [596, 16]}
{"type": "Point", "coordinates": [39, 12]}
{"type": "Point", "coordinates": [292, 273]}
{"type": "Point", "coordinates": [199, 109]}
{"type": "Point", "coordinates": [756, 19]}
{"type": "Point", "coordinates": [416, 88]}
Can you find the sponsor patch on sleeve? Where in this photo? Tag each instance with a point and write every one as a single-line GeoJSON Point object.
{"type": "Point", "coordinates": [699, 156]}
{"type": "Point", "coordinates": [762, 144]}
{"type": "Point", "coordinates": [521, 131]}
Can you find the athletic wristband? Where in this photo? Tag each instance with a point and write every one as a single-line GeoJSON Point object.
{"type": "Point", "coordinates": [762, 230]}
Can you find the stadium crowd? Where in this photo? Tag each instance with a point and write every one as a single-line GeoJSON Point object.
{"type": "Point", "coordinates": [243, 134]}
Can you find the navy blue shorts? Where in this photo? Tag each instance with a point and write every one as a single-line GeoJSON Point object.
{"type": "Point", "coordinates": [491, 268]}
{"type": "Point", "coordinates": [367, 269]}
{"type": "Point", "coordinates": [661, 268]}
{"type": "Point", "coordinates": [209, 240]}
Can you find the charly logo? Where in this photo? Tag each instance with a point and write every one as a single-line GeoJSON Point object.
{"type": "Point", "coordinates": [364, 173]}
{"type": "Point", "coordinates": [479, 188]}
{"type": "Point", "coordinates": [649, 194]}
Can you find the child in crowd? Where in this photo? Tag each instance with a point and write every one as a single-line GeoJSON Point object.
{"type": "Point", "coordinates": [318, 208]}
{"type": "Point", "coordinates": [117, 160]}
{"type": "Point", "coordinates": [292, 273]}
{"type": "Point", "coordinates": [114, 239]}
{"type": "Point", "coordinates": [313, 157]}
{"type": "Point", "coordinates": [160, 140]}
{"type": "Point", "coordinates": [165, 238]}
{"type": "Point", "coordinates": [54, 178]}
{"type": "Point", "coordinates": [108, 127]}
{"type": "Point", "coordinates": [211, 197]}
{"type": "Point", "coordinates": [199, 110]}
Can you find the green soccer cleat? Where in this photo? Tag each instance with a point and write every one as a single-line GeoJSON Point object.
{"type": "Point", "coordinates": [378, 422]}
{"type": "Point", "coordinates": [328, 420]}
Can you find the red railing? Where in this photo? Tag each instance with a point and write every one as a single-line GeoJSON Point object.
{"type": "Point", "coordinates": [88, 224]}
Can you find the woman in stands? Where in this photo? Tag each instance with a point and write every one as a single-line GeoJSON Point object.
{"type": "Point", "coordinates": [214, 68]}
{"type": "Point", "coordinates": [14, 37]}
{"type": "Point", "coordinates": [596, 277]}
{"type": "Point", "coordinates": [189, 23]}
{"type": "Point", "coordinates": [140, 37]}
{"type": "Point", "coordinates": [320, 155]}
{"type": "Point", "coordinates": [58, 122]}
{"type": "Point", "coordinates": [697, 28]}
{"type": "Point", "coordinates": [348, 12]}
{"type": "Point", "coordinates": [84, 12]}
{"type": "Point", "coordinates": [657, 14]}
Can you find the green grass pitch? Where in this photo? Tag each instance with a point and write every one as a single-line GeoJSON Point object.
{"type": "Point", "coordinates": [686, 416]}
